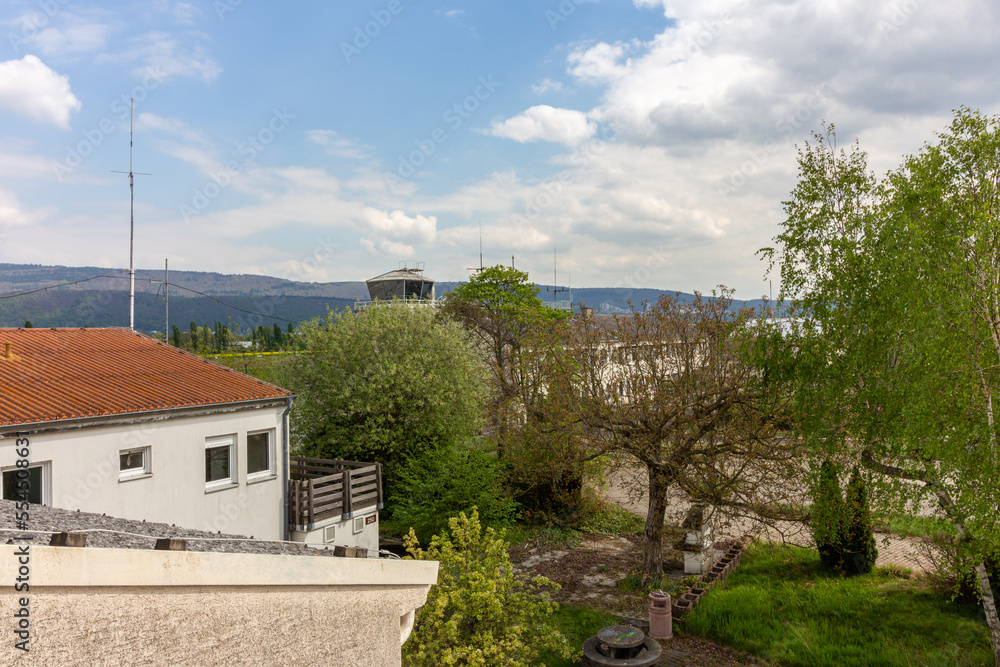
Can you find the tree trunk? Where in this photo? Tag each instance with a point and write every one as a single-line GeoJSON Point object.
{"type": "Point", "coordinates": [990, 607]}
{"type": "Point", "coordinates": [652, 535]}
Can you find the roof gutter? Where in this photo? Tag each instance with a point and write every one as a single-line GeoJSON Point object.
{"type": "Point", "coordinates": [286, 450]}
{"type": "Point", "coordinates": [142, 416]}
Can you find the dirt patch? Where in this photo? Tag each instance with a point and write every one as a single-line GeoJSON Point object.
{"type": "Point", "coordinates": [694, 651]}
{"type": "Point", "coordinates": [589, 573]}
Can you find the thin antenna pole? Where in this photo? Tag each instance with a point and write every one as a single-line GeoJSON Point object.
{"type": "Point", "coordinates": [555, 278]}
{"type": "Point", "coordinates": [481, 268]}
{"type": "Point", "coordinates": [166, 296]}
{"type": "Point", "coordinates": [131, 224]}
{"type": "Point", "coordinates": [131, 235]}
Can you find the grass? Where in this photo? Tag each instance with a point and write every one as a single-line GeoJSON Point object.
{"type": "Point", "coordinates": [601, 517]}
{"type": "Point", "coordinates": [918, 526]}
{"type": "Point", "coordinates": [781, 605]}
{"type": "Point", "coordinates": [577, 624]}
{"type": "Point", "coordinates": [610, 519]}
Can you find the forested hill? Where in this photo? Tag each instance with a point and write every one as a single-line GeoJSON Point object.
{"type": "Point", "coordinates": [243, 300]}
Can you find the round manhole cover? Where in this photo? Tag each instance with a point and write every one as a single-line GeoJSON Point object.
{"type": "Point", "coordinates": [621, 636]}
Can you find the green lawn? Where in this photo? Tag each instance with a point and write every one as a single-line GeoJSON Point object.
{"type": "Point", "coordinates": [781, 605]}
{"type": "Point", "coordinates": [577, 624]}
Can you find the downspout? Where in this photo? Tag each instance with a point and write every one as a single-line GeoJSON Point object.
{"type": "Point", "coordinates": [286, 446]}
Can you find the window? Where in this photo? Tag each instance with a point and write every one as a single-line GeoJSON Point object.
{"type": "Point", "coordinates": [220, 464]}
{"type": "Point", "coordinates": [32, 475]}
{"type": "Point", "coordinates": [133, 462]}
{"type": "Point", "coordinates": [259, 457]}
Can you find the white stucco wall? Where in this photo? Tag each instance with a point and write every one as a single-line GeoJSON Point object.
{"type": "Point", "coordinates": [133, 607]}
{"type": "Point", "coordinates": [83, 472]}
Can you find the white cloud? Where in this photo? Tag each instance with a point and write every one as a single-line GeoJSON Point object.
{"type": "Point", "coordinates": [545, 123]}
{"type": "Point", "coordinates": [170, 55]}
{"type": "Point", "coordinates": [599, 64]}
{"type": "Point", "coordinates": [172, 126]}
{"type": "Point", "coordinates": [13, 214]}
{"type": "Point", "coordinates": [395, 233]}
{"type": "Point", "coordinates": [185, 12]}
{"type": "Point", "coordinates": [336, 145]}
{"type": "Point", "coordinates": [28, 87]}
{"type": "Point", "coordinates": [73, 36]}
{"type": "Point", "coordinates": [546, 85]}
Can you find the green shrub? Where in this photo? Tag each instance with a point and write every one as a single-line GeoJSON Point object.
{"type": "Point", "coordinates": [438, 485]}
{"type": "Point", "coordinates": [860, 551]}
{"type": "Point", "coordinates": [479, 614]}
{"type": "Point", "coordinates": [828, 517]}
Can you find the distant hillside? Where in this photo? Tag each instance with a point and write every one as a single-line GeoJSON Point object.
{"type": "Point", "coordinates": [90, 308]}
{"type": "Point", "coordinates": [24, 277]}
{"type": "Point", "coordinates": [104, 301]}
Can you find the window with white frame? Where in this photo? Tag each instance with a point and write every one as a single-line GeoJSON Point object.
{"type": "Point", "coordinates": [220, 461]}
{"type": "Point", "coordinates": [133, 462]}
{"type": "Point", "coordinates": [260, 454]}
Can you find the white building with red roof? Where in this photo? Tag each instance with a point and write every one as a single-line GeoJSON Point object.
{"type": "Point", "coordinates": [120, 424]}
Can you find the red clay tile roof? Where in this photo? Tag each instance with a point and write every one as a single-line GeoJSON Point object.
{"type": "Point", "coordinates": [68, 373]}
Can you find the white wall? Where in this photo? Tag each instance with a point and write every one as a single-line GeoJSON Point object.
{"type": "Point", "coordinates": [143, 607]}
{"type": "Point", "coordinates": [83, 467]}
{"type": "Point", "coordinates": [344, 534]}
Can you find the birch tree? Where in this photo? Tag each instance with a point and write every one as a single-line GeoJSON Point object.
{"type": "Point", "coordinates": [895, 349]}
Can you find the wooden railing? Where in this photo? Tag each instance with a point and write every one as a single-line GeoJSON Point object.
{"type": "Point", "coordinates": [323, 488]}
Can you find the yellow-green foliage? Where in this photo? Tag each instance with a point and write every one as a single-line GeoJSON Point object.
{"type": "Point", "coordinates": [480, 614]}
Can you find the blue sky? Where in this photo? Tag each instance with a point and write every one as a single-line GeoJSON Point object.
{"type": "Point", "coordinates": [651, 141]}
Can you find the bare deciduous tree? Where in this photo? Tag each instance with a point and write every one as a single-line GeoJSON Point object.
{"type": "Point", "coordinates": [671, 388]}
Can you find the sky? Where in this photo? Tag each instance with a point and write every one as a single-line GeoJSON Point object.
{"type": "Point", "coordinates": [643, 143]}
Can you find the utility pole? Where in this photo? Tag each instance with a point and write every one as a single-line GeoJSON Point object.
{"type": "Point", "coordinates": [131, 237]}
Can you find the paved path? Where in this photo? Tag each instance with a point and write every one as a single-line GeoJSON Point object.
{"type": "Point", "coordinates": [904, 552]}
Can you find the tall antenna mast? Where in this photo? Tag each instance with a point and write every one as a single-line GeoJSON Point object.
{"type": "Point", "coordinates": [555, 289]}
{"type": "Point", "coordinates": [131, 236]}
{"type": "Point", "coordinates": [481, 267]}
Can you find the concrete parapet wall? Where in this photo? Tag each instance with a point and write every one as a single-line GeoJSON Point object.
{"type": "Point", "coordinates": [130, 607]}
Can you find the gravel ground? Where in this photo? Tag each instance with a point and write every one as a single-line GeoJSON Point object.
{"type": "Point", "coordinates": [51, 519]}
{"type": "Point", "coordinates": [912, 553]}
